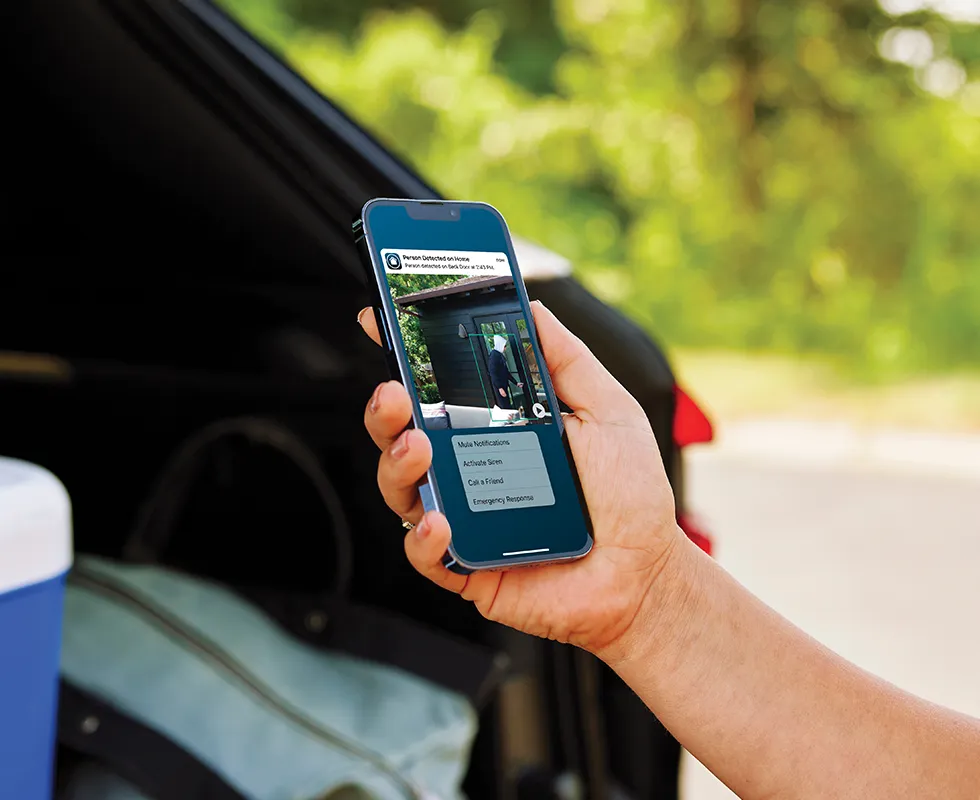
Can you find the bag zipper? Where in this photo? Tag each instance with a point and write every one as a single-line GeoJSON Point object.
{"type": "Point", "coordinates": [175, 629]}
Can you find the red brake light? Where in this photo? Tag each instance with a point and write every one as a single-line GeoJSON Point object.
{"type": "Point", "coordinates": [691, 425]}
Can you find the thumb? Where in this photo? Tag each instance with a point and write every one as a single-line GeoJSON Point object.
{"type": "Point", "coordinates": [580, 380]}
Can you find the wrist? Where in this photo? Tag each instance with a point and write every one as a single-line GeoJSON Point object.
{"type": "Point", "coordinates": [665, 614]}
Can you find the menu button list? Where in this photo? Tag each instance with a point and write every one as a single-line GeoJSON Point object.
{"type": "Point", "coordinates": [503, 471]}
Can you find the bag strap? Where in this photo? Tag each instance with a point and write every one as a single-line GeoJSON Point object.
{"type": "Point", "coordinates": [323, 619]}
{"type": "Point", "coordinates": [384, 637]}
{"type": "Point", "coordinates": [154, 525]}
{"type": "Point", "coordinates": [150, 761]}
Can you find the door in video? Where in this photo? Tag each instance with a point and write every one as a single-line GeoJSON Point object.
{"type": "Point", "coordinates": [512, 372]}
{"type": "Point", "coordinates": [524, 337]}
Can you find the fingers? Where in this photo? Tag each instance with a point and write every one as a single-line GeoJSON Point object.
{"type": "Point", "coordinates": [367, 320]}
{"type": "Point", "coordinates": [388, 413]}
{"type": "Point", "coordinates": [425, 546]}
{"type": "Point", "coordinates": [400, 469]}
{"type": "Point", "coordinates": [405, 454]}
{"type": "Point", "coordinates": [579, 379]}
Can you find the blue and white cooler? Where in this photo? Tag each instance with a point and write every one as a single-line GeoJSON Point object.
{"type": "Point", "coordinates": [35, 554]}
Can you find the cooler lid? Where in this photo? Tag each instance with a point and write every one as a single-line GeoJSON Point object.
{"type": "Point", "coordinates": [35, 525]}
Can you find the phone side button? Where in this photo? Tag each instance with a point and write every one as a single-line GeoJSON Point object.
{"type": "Point", "coordinates": [428, 499]}
{"type": "Point", "coordinates": [379, 320]}
{"type": "Point", "coordinates": [390, 359]}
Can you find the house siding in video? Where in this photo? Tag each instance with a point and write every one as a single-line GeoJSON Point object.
{"type": "Point", "coordinates": [439, 319]}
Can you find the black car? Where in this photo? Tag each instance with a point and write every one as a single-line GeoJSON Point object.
{"type": "Point", "coordinates": [176, 252]}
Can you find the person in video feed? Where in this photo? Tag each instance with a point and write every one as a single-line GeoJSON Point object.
{"type": "Point", "coordinates": [500, 375]}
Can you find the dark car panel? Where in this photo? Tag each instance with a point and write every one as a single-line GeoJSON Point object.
{"type": "Point", "coordinates": [177, 207]}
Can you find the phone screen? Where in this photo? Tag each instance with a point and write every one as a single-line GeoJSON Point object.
{"type": "Point", "coordinates": [468, 350]}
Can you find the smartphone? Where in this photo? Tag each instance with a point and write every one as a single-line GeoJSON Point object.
{"type": "Point", "coordinates": [458, 332]}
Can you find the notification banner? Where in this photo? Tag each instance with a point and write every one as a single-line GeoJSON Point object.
{"type": "Point", "coordinates": [465, 263]}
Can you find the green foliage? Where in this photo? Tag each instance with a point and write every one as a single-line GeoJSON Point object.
{"type": "Point", "coordinates": [745, 175]}
{"type": "Point", "coordinates": [429, 393]}
{"type": "Point", "coordinates": [415, 346]}
{"type": "Point", "coordinates": [417, 351]}
{"type": "Point", "coordinates": [402, 285]}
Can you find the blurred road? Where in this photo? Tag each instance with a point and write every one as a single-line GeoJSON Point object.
{"type": "Point", "coordinates": [877, 556]}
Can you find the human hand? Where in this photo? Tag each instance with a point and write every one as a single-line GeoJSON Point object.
{"type": "Point", "coordinates": [502, 392]}
{"type": "Point", "coordinates": [594, 602]}
{"type": "Point", "coordinates": [520, 385]}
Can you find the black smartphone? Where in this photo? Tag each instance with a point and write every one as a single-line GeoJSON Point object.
{"type": "Point", "coordinates": [459, 334]}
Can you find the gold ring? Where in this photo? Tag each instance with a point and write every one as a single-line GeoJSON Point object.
{"type": "Point", "coordinates": [407, 525]}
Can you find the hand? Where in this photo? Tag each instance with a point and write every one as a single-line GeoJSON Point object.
{"type": "Point", "coordinates": [595, 601]}
{"type": "Point", "coordinates": [520, 385]}
{"type": "Point", "coordinates": [502, 393]}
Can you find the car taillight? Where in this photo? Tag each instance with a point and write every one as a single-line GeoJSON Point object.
{"type": "Point", "coordinates": [691, 426]}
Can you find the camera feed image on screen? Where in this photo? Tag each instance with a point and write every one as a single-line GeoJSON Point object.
{"type": "Point", "coordinates": [466, 339]}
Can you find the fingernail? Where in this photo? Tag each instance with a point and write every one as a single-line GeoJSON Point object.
{"type": "Point", "coordinates": [423, 528]}
{"type": "Point", "coordinates": [375, 403]}
{"type": "Point", "coordinates": [360, 315]}
{"type": "Point", "coordinates": [400, 446]}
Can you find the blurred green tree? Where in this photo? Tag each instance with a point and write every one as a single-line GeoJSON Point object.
{"type": "Point", "coordinates": [745, 174]}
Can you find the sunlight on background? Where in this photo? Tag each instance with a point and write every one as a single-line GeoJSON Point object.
{"type": "Point", "coordinates": [953, 10]}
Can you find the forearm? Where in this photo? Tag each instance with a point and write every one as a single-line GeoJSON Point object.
{"type": "Point", "coordinates": [773, 713]}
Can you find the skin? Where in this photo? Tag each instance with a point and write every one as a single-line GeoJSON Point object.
{"type": "Point", "coordinates": [767, 709]}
